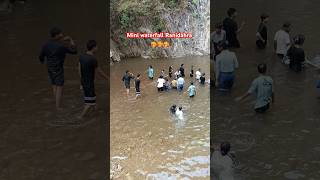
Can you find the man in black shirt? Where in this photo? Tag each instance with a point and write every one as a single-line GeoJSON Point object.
{"type": "Point", "coordinates": [296, 53]}
{"type": "Point", "coordinates": [54, 53]}
{"type": "Point", "coordinates": [203, 79]}
{"type": "Point", "coordinates": [88, 68]}
{"type": "Point", "coordinates": [262, 33]}
{"type": "Point", "coordinates": [231, 28]}
{"type": "Point", "coordinates": [182, 70]}
{"type": "Point", "coordinates": [137, 84]}
{"type": "Point", "coordinates": [126, 79]}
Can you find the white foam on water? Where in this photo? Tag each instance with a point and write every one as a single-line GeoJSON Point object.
{"type": "Point", "coordinates": [188, 167]}
{"type": "Point", "coordinates": [119, 157]}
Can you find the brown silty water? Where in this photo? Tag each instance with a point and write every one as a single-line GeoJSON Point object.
{"type": "Point", "coordinates": [147, 142]}
{"type": "Point", "coordinates": [37, 143]}
{"type": "Point", "coordinates": [284, 142]}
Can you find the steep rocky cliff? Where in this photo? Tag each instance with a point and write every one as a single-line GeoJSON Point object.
{"type": "Point", "coordinates": [147, 16]}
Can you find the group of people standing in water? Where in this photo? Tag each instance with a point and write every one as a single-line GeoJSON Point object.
{"type": "Point", "coordinates": [53, 54]}
{"type": "Point", "coordinates": [225, 37]}
{"type": "Point", "coordinates": [168, 81]}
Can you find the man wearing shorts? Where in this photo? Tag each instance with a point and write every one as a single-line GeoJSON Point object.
{"type": "Point", "coordinates": [54, 53]}
{"type": "Point", "coordinates": [126, 79]}
{"type": "Point", "coordinates": [88, 69]}
{"type": "Point", "coordinates": [137, 84]}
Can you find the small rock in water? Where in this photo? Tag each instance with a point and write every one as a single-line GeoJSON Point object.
{"type": "Point", "coordinates": [293, 175]}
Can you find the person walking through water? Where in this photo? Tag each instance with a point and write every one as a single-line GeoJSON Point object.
{"type": "Point", "coordinates": [198, 74]}
{"type": "Point", "coordinates": [88, 69]}
{"type": "Point", "coordinates": [226, 64]}
{"type": "Point", "coordinates": [127, 79]}
{"type": "Point", "coordinates": [191, 90]}
{"type": "Point", "coordinates": [182, 70]}
{"type": "Point", "coordinates": [53, 53]}
{"type": "Point", "coordinates": [137, 86]}
{"type": "Point", "coordinates": [282, 40]}
{"type": "Point", "coordinates": [150, 72]}
{"type": "Point", "coordinates": [170, 71]}
{"type": "Point", "coordinates": [262, 87]}
{"type": "Point", "coordinates": [231, 27]}
{"type": "Point", "coordinates": [191, 72]}
{"type": "Point", "coordinates": [180, 83]}
{"type": "Point", "coordinates": [262, 33]}
{"type": "Point", "coordinates": [296, 54]}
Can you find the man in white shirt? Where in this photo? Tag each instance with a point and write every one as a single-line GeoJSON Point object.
{"type": "Point", "coordinates": [198, 74]}
{"type": "Point", "coordinates": [225, 66]}
{"type": "Point", "coordinates": [180, 83]}
{"type": "Point", "coordinates": [160, 84]}
{"type": "Point", "coordinates": [282, 40]}
{"type": "Point", "coordinates": [179, 113]}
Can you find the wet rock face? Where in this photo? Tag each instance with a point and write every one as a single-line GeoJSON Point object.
{"type": "Point", "coordinates": [193, 17]}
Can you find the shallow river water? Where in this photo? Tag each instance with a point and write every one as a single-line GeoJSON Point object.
{"type": "Point", "coordinates": [283, 143]}
{"type": "Point", "coordinates": [146, 141]}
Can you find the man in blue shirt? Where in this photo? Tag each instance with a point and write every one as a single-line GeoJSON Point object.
{"type": "Point", "coordinates": [180, 83]}
{"type": "Point", "coordinates": [54, 53]}
{"type": "Point", "coordinates": [192, 90]}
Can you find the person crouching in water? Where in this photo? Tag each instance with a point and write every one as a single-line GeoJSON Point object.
{"type": "Point", "coordinates": [173, 109]}
{"type": "Point", "coordinates": [167, 85]}
{"type": "Point", "coordinates": [226, 64]}
{"type": "Point", "coordinates": [296, 54]}
{"type": "Point", "coordinates": [262, 87]}
{"type": "Point", "coordinates": [179, 113]}
{"type": "Point", "coordinates": [222, 162]}
{"type": "Point", "coordinates": [174, 83]}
